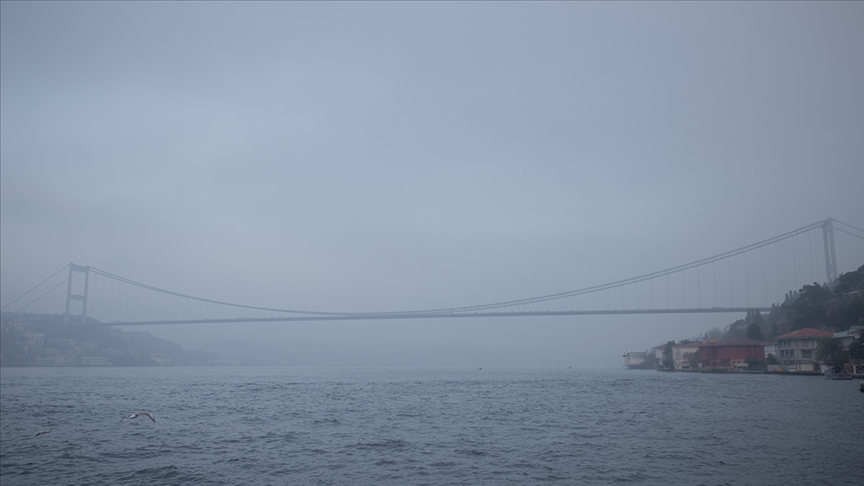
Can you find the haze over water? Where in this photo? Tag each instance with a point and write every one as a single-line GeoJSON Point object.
{"type": "Point", "coordinates": [394, 156]}
{"type": "Point", "coordinates": [425, 426]}
{"type": "Point", "coordinates": [391, 156]}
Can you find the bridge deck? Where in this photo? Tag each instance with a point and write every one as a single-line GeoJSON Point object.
{"type": "Point", "coordinates": [409, 315]}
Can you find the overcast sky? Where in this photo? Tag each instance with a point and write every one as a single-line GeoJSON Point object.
{"type": "Point", "coordinates": [387, 156]}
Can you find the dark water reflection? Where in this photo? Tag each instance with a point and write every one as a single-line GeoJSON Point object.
{"type": "Point", "coordinates": [433, 427]}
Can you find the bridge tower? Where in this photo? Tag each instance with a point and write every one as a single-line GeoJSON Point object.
{"type": "Point", "coordinates": [830, 255]}
{"type": "Point", "coordinates": [74, 270]}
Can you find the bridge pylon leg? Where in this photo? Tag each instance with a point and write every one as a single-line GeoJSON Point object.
{"type": "Point", "coordinates": [73, 270]}
{"type": "Point", "coordinates": [830, 255]}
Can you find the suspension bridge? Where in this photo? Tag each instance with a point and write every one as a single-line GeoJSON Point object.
{"type": "Point", "coordinates": [753, 277]}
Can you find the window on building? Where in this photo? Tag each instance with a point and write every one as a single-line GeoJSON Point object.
{"type": "Point", "coordinates": [806, 353]}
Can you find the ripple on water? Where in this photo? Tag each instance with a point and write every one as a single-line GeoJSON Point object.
{"type": "Point", "coordinates": [431, 427]}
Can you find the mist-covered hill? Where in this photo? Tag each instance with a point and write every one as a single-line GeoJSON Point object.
{"type": "Point", "coordinates": [45, 340]}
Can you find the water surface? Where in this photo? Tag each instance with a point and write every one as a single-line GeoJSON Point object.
{"type": "Point", "coordinates": [426, 427]}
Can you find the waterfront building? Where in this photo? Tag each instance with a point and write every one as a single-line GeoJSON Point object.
{"type": "Point", "coordinates": [160, 359]}
{"type": "Point", "coordinates": [681, 354]}
{"type": "Point", "coordinates": [634, 359]}
{"type": "Point", "coordinates": [770, 348]}
{"type": "Point", "coordinates": [95, 361]}
{"type": "Point", "coordinates": [846, 337]}
{"type": "Point", "coordinates": [797, 349]}
{"type": "Point", "coordinates": [731, 354]}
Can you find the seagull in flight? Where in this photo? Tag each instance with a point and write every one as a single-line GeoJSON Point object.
{"type": "Point", "coordinates": [136, 414]}
{"type": "Point", "coordinates": [42, 432]}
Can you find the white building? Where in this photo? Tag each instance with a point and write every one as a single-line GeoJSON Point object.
{"type": "Point", "coordinates": [797, 350]}
{"type": "Point", "coordinates": [94, 361]}
{"type": "Point", "coordinates": [846, 337]}
{"type": "Point", "coordinates": [680, 354]}
{"type": "Point", "coordinates": [160, 359]}
{"type": "Point", "coordinates": [634, 358]}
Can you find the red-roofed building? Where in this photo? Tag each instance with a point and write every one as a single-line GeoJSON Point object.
{"type": "Point", "coordinates": [797, 349]}
{"type": "Point", "coordinates": [730, 354]}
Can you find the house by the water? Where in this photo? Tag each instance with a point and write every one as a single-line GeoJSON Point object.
{"type": "Point", "coordinates": [797, 350]}
{"type": "Point", "coordinates": [729, 355]}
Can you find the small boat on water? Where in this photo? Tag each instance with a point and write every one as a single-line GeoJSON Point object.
{"type": "Point", "coordinates": [838, 373]}
{"type": "Point", "coordinates": [862, 386]}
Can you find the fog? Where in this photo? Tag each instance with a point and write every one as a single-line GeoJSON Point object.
{"type": "Point", "coordinates": [384, 156]}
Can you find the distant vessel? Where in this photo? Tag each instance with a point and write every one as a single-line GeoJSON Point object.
{"type": "Point", "coordinates": [837, 373]}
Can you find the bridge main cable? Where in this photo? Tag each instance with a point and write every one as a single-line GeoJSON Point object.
{"type": "Point", "coordinates": [632, 280]}
{"type": "Point", "coordinates": [36, 287]}
{"type": "Point", "coordinates": [209, 301]}
{"type": "Point", "coordinates": [491, 306]}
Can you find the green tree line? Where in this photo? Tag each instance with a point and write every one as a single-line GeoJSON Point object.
{"type": "Point", "coordinates": [817, 306]}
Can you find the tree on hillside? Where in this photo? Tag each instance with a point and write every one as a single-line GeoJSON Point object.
{"type": "Point", "coordinates": [846, 308]}
{"type": "Point", "coordinates": [755, 317]}
{"type": "Point", "coordinates": [756, 325]}
{"type": "Point", "coordinates": [850, 281]}
{"type": "Point", "coordinates": [754, 332]}
{"type": "Point", "coordinates": [814, 306]}
{"type": "Point", "coordinates": [791, 297]}
{"type": "Point", "coordinates": [780, 316]}
{"type": "Point", "coordinates": [818, 306]}
{"type": "Point", "coordinates": [737, 329]}
{"type": "Point", "coordinates": [830, 351]}
{"type": "Point", "coordinates": [843, 312]}
{"type": "Point", "coordinates": [809, 309]}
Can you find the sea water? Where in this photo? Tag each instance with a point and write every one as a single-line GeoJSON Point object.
{"type": "Point", "coordinates": [233, 426]}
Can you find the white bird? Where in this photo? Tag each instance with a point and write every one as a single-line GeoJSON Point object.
{"type": "Point", "coordinates": [42, 432]}
{"type": "Point", "coordinates": [136, 414]}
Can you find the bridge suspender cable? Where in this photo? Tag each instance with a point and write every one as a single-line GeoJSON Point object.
{"type": "Point", "coordinates": [632, 280]}
{"type": "Point", "coordinates": [498, 306]}
{"type": "Point", "coordinates": [531, 300]}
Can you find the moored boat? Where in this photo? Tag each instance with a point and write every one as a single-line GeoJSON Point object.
{"type": "Point", "coordinates": [838, 373]}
